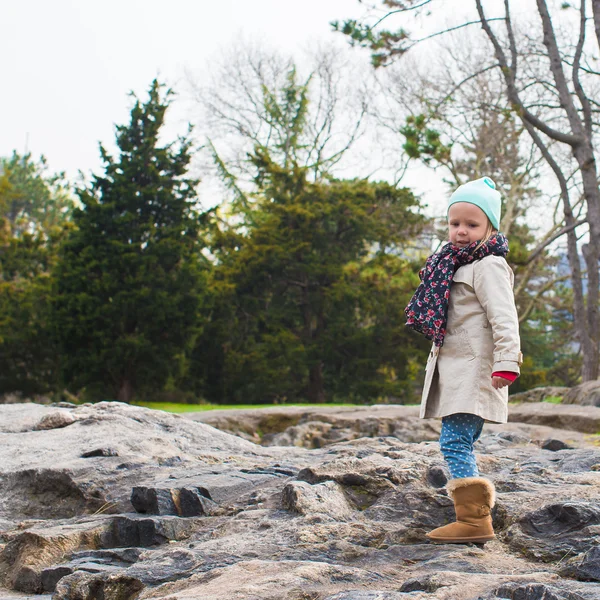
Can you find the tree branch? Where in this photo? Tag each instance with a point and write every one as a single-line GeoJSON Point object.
{"type": "Point", "coordinates": [596, 11]}
{"type": "Point", "coordinates": [513, 94]}
{"type": "Point", "coordinates": [585, 105]}
{"type": "Point", "coordinates": [525, 314]}
{"type": "Point", "coordinates": [399, 10]}
{"type": "Point", "coordinates": [428, 37]}
{"type": "Point", "coordinates": [511, 39]}
{"type": "Point", "coordinates": [540, 247]}
{"type": "Point", "coordinates": [556, 67]}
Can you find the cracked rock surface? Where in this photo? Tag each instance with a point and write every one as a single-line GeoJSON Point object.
{"type": "Point", "coordinates": [117, 502]}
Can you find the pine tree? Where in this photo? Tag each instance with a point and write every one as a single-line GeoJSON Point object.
{"type": "Point", "coordinates": [34, 206]}
{"type": "Point", "coordinates": [129, 281]}
{"type": "Point", "coordinates": [309, 285]}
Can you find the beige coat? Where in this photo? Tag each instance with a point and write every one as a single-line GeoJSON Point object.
{"type": "Point", "coordinates": [482, 336]}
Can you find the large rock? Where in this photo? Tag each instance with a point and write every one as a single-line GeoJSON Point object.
{"type": "Point", "coordinates": [306, 499]}
{"type": "Point", "coordinates": [317, 427]}
{"type": "Point", "coordinates": [586, 566]}
{"type": "Point", "coordinates": [586, 394]}
{"type": "Point", "coordinates": [108, 586]}
{"type": "Point", "coordinates": [557, 530]}
{"type": "Point", "coordinates": [539, 591]}
{"type": "Point", "coordinates": [340, 513]}
{"type": "Point", "coordinates": [540, 394]}
{"type": "Point", "coordinates": [585, 419]}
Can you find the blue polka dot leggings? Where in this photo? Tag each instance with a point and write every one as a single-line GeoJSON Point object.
{"type": "Point", "coordinates": [459, 432]}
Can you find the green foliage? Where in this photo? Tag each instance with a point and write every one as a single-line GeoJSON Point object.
{"type": "Point", "coordinates": [310, 295]}
{"type": "Point", "coordinates": [309, 286]}
{"type": "Point", "coordinates": [553, 399]}
{"type": "Point", "coordinates": [129, 282]}
{"type": "Point", "coordinates": [33, 208]}
{"type": "Point", "coordinates": [383, 44]}
{"type": "Point", "coordinates": [286, 112]}
{"type": "Point", "coordinates": [32, 202]}
{"type": "Point", "coordinates": [422, 141]}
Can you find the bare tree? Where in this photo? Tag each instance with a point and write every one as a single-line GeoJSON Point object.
{"type": "Point", "coordinates": [243, 107]}
{"type": "Point", "coordinates": [550, 79]}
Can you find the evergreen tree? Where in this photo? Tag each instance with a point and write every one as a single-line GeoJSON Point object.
{"type": "Point", "coordinates": [33, 208]}
{"type": "Point", "coordinates": [129, 280]}
{"type": "Point", "coordinates": [309, 284]}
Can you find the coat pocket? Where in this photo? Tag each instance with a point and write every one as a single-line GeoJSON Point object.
{"type": "Point", "coordinates": [457, 344]}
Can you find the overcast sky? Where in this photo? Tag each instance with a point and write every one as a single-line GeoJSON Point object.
{"type": "Point", "coordinates": [69, 65]}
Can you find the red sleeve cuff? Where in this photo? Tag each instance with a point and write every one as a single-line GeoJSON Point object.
{"type": "Point", "coordinates": [506, 374]}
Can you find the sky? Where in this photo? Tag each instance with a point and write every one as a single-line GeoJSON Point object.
{"type": "Point", "coordinates": [69, 65]}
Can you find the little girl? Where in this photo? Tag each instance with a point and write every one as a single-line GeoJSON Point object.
{"type": "Point", "coordinates": [465, 304]}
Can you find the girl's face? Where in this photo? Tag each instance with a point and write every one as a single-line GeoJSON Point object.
{"type": "Point", "coordinates": [467, 224]}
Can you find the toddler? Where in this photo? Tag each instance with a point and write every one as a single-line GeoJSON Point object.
{"type": "Point", "coordinates": [465, 304]}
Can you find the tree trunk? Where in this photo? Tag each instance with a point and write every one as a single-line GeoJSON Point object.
{"type": "Point", "coordinates": [580, 141]}
{"type": "Point", "coordinates": [316, 391]}
{"type": "Point", "coordinates": [125, 393]}
{"type": "Point", "coordinates": [313, 326]}
{"type": "Point", "coordinates": [596, 11]}
{"type": "Point", "coordinates": [591, 253]}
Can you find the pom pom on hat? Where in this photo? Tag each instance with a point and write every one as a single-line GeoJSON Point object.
{"type": "Point", "coordinates": [480, 192]}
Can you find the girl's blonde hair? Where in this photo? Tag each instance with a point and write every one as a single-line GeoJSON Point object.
{"type": "Point", "coordinates": [489, 232]}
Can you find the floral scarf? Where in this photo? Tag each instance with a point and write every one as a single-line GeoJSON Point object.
{"type": "Point", "coordinates": [427, 312]}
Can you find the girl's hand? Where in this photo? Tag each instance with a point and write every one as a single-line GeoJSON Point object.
{"type": "Point", "coordinates": [499, 382]}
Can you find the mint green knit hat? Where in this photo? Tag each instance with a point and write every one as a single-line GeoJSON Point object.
{"type": "Point", "coordinates": [481, 192]}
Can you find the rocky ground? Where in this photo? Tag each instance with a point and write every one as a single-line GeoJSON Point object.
{"type": "Point", "coordinates": [115, 502]}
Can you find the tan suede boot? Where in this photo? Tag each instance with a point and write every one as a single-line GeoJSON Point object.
{"type": "Point", "coordinates": [474, 499]}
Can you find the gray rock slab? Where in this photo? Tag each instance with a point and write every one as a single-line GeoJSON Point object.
{"type": "Point", "coordinates": [348, 517]}
{"type": "Point", "coordinates": [556, 531]}
{"type": "Point", "coordinates": [369, 595]}
{"type": "Point", "coordinates": [585, 567]}
{"type": "Point", "coordinates": [316, 427]}
{"type": "Point", "coordinates": [585, 419]}
{"type": "Point", "coordinates": [587, 394]}
{"type": "Point", "coordinates": [6, 594]}
{"type": "Point", "coordinates": [541, 591]}
{"type": "Point", "coordinates": [327, 497]}
{"type": "Point", "coordinates": [161, 567]}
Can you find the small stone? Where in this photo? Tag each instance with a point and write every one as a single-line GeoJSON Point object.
{"type": "Point", "coordinates": [437, 477]}
{"type": "Point", "coordinates": [425, 583]}
{"type": "Point", "coordinates": [183, 502]}
{"type": "Point", "coordinates": [153, 501]}
{"type": "Point", "coordinates": [532, 591]}
{"type": "Point", "coordinates": [514, 437]}
{"type": "Point", "coordinates": [327, 498]}
{"type": "Point", "coordinates": [55, 420]}
{"type": "Point", "coordinates": [194, 502]}
{"type": "Point", "coordinates": [588, 568]}
{"type": "Point", "coordinates": [100, 452]}
{"type": "Point", "coordinates": [555, 445]}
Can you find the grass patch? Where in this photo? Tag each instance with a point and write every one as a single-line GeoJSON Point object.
{"type": "Point", "coordinates": [553, 399]}
{"type": "Point", "coordinates": [174, 407]}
